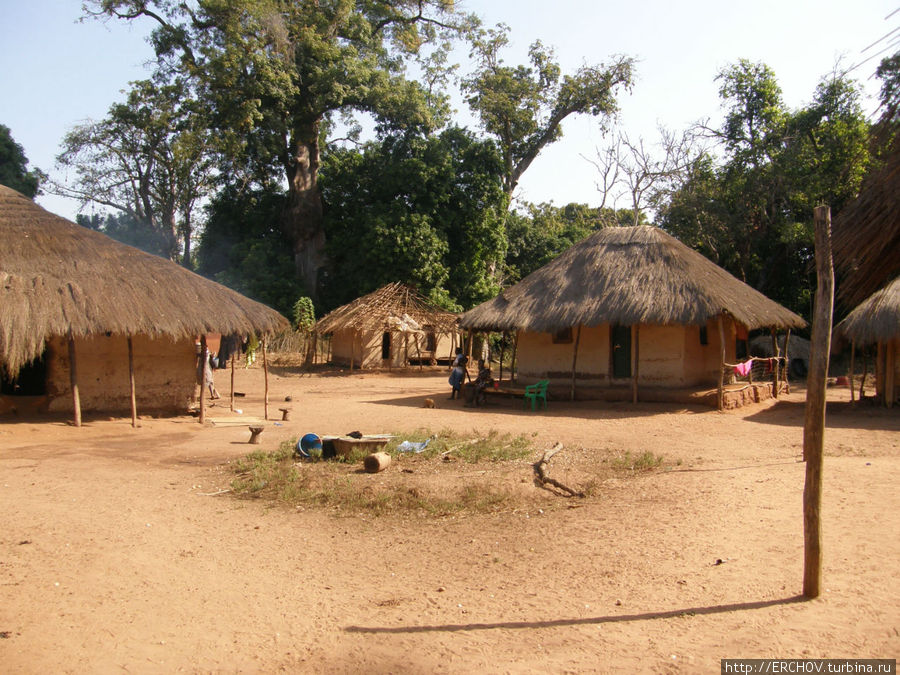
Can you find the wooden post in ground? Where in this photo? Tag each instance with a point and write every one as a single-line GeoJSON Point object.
{"type": "Point", "coordinates": [73, 380]}
{"type": "Point", "coordinates": [787, 363]}
{"type": "Point", "coordinates": [637, 355]}
{"type": "Point", "coordinates": [232, 382]}
{"type": "Point", "coordinates": [852, 369]}
{"type": "Point", "coordinates": [512, 365]}
{"type": "Point", "coordinates": [131, 383]}
{"type": "Point", "coordinates": [502, 352]}
{"type": "Point", "coordinates": [777, 354]}
{"type": "Point", "coordinates": [575, 360]}
{"type": "Point", "coordinates": [204, 359]}
{"type": "Point", "coordinates": [814, 423]}
{"type": "Point", "coordinates": [266, 375]}
{"type": "Point", "coordinates": [721, 392]}
{"type": "Point", "coordinates": [890, 366]}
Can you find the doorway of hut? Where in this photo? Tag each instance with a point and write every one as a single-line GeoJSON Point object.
{"type": "Point", "coordinates": [620, 351]}
{"type": "Point", "coordinates": [31, 379]}
{"type": "Point", "coordinates": [386, 346]}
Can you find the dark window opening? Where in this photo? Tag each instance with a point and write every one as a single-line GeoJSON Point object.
{"type": "Point", "coordinates": [704, 336]}
{"type": "Point", "coordinates": [562, 337]}
{"type": "Point", "coordinates": [30, 381]}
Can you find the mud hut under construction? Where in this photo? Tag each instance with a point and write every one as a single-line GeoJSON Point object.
{"type": "Point", "coordinates": [630, 312]}
{"type": "Point", "coordinates": [89, 323]}
{"type": "Point", "coordinates": [392, 327]}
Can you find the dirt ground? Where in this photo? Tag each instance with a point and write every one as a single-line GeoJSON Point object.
{"type": "Point", "coordinates": [119, 553]}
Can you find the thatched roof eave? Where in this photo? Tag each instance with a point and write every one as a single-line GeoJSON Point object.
{"type": "Point", "coordinates": [58, 278]}
{"type": "Point", "coordinates": [627, 276]}
{"type": "Point", "coordinates": [877, 319]}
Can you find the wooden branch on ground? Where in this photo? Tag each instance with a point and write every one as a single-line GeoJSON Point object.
{"type": "Point", "coordinates": [541, 477]}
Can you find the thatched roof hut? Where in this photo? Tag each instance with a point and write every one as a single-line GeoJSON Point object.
{"type": "Point", "coordinates": [866, 233]}
{"type": "Point", "coordinates": [62, 281]}
{"type": "Point", "coordinates": [628, 276]}
{"type": "Point", "coordinates": [877, 321]}
{"type": "Point", "coordinates": [363, 328]}
{"type": "Point", "coordinates": [629, 296]}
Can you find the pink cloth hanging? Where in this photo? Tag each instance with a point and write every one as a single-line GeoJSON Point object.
{"type": "Point", "coordinates": [743, 369]}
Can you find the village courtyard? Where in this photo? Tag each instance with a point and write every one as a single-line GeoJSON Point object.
{"type": "Point", "coordinates": [123, 549]}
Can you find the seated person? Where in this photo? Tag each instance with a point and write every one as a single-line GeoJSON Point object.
{"type": "Point", "coordinates": [482, 382]}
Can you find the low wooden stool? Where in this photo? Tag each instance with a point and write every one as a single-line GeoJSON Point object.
{"type": "Point", "coordinates": [285, 414]}
{"type": "Point", "coordinates": [254, 435]}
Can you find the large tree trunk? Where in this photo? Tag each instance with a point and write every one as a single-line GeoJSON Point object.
{"type": "Point", "coordinates": [301, 219]}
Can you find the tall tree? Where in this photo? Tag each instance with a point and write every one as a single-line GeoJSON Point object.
{"type": "Point", "coordinates": [150, 158]}
{"type": "Point", "coordinates": [523, 107]}
{"type": "Point", "coordinates": [14, 171]}
{"type": "Point", "coordinates": [752, 212]}
{"type": "Point", "coordinates": [425, 210]}
{"type": "Point", "coordinates": [273, 71]}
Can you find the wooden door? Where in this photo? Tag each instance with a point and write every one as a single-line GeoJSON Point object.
{"type": "Point", "coordinates": [620, 351]}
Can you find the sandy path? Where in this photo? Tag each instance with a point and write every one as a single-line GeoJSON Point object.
{"type": "Point", "coordinates": [115, 558]}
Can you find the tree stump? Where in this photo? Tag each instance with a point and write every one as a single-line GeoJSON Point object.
{"type": "Point", "coordinates": [254, 435]}
{"type": "Point", "coordinates": [285, 414]}
{"type": "Point", "coordinates": [377, 461]}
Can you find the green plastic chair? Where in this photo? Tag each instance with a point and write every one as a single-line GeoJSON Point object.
{"type": "Point", "coordinates": [534, 393]}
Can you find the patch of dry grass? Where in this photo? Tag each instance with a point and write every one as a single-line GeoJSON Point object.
{"type": "Point", "coordinates": [453, 475]}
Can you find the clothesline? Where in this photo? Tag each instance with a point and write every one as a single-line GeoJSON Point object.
{"type": "Point", "coordinates": [743, 368]}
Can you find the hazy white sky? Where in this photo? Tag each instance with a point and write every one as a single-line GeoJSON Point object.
{"type": "Point", "coordinates": [57, 72]}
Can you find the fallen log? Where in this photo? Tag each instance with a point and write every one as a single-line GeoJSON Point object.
{"type": "Point", "coordinates": [543, 480]}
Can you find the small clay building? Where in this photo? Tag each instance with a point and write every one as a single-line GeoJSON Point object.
{"type": "Point", "coordinates": [628, 309]}
{"type": "Point", "coordinates": [71, 296]}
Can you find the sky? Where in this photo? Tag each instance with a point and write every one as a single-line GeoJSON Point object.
{"type": "Point", "coordinates": [57, 72]}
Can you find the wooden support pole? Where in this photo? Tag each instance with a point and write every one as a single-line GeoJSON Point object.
{"type": "Point", "coordinates": [636, 356]}
{"type": "Point", "coordinates": [512, 365]}
{"type": "Point", "coordinates": [852, 369]}
{"type": "Point", "coordinates": [777, 353]}
{"type": "Point", "coordinates": [131, 383]}
{"type": "Point", "coordinates": [73, 380]}
{"type": "Point", "coordinates": [575, 360]}
{"type": "Point", "coordinates": [204, 359]}
{"type": "Point", "coordinates": [814, 423]}
{"type": "Point", "coordinates": [787, 362]}
{"type": "Point", "coordinates": [865, 374]}
{"type": "Point", "coordinates": [890, 367]}
{"type": "Point", "coordinates": [502, 352]}
{"type": "Point", "coordinates": [721, 392]}
{"type": "Point", "coordinates": [232, 382]}
{"type": "Point", "coordinates": [266, 375]}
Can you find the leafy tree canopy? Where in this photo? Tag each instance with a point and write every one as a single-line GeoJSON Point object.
{"type": "Point", "coordinates": [523, 107]}
{"type": "Point", "coordinates": [751, 212]}
{"type": "Point", "coordinates": [14, 171]}
{"type": "Point", "coordinates": [426, 211]}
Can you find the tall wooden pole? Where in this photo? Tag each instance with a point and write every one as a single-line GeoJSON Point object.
{"type": "Point", "coordinates": [131, 382]}
{"type": "Point", "coordinates": [721, 391]}
{"type": "Point", "coordinates": [777, 354]}
{"type": "Point", "coordinates": [852, 369]}
{"type": "Point", "coordinates": [512, 365]}
{"type": "Point", "coordinates": [575, 360]}
{"type": "Point", "coordinates": [232, 382]}
{"type": "Point", "coordinates": [637, 357]}
{"type": "Point", "coordinates": [204, 359]}
{"type": "Point", "coordinates": [266, 375]}
{"type": "Point", "coordinates": [73, 380]}
{"type": "Point", "coordinates": [814, 423]}
{"type": "Point", "coordinates": [787, 362]}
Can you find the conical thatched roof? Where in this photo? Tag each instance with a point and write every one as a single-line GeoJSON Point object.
{"type": "Point", "coordinates": [866, 233]}
{"type": "Point", "coordinates": [56, 277]}
{"type": "Point", "coordinates": [875, 320]}
{"type": "Point", "coordinates": [387, 307]}
{"type": "Point", "coordinates": [627, 275]}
